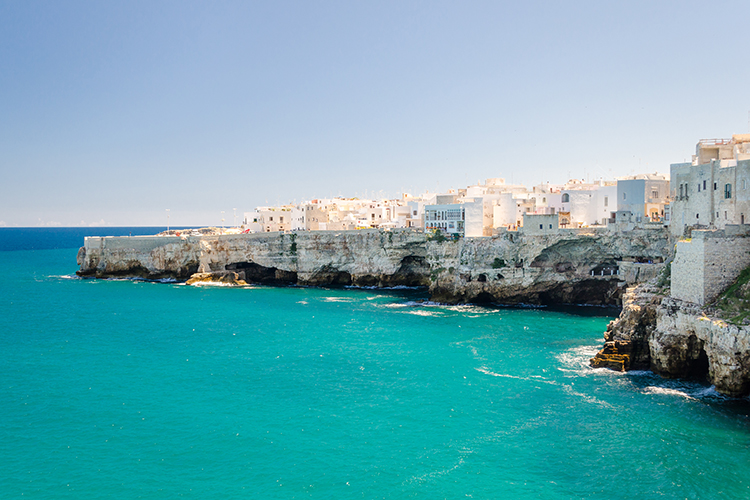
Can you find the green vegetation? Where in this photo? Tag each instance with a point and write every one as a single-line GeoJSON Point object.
{"type": "Point", "coordinates": [498, 263]}
{"type": "Point", "coordinates": [665, 277]}
{"type": "Point", "coordinates": [435, 273]}
{"type": "Point", "coordinates": [734, 301]}
{"type": "Point", "coordinates": [437, 235]}
{"type": "Point", "coordinates": [293, 247]}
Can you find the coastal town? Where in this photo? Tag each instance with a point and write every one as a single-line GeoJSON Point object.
{"type": "Point", "coordinates": [492, 207]}
{"type": "Point", "coordinates": [482, 209]}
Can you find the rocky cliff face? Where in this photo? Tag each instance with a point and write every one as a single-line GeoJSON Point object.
{"type": "Point", "coordinates": [626, 341]}
{"type": "Point", "coordinates": [687, 343]}
{"type": "Point", "coordinates": [364, 258]}
{"type": "Point", "coordinates": [567, 267]}
{"type": "Point", "coordinates": [676, 339]}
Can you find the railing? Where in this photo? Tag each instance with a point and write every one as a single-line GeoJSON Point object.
{"type": "Point", "coordinates": [714, 142]}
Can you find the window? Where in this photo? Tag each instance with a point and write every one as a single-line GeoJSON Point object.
{"type": "Point", "coordinates": [565, 198]}
{"type": "Point", "coordinates": [727, 191]}
{"type": "Point", "coordinates": [541, 226]}
{"type": "Point", "coordinates": [704, 185]}
{"type": "Point", "coordinates": [624, 196]}
{"type": "Point", "coordinates": [654, 193]}
{"type": "Point", "coordinates": [699, 187]}
{"type": "Point", "coordinates": [606, 201]}
{"type": "Point", "coordinates": [681, 190]}
{"type": "Point", "coordinates": [550, 226]}
{"type": "Point", "coordinates": [271, 219]}
{"type": "Point", "coordinates": [714, 186]}
{"type": "Point", "coordinates": [725, 215]}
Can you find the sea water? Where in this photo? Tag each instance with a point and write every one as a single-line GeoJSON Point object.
{"type": "Point", "coordinates": [133, 389]}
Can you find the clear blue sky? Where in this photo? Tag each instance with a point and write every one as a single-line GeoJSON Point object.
{"type": "Point", "coordinates": [116, 111]}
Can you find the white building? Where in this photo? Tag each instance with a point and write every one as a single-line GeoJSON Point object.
{"type": "Point", "coordinates": [644, 195]}
{"type": "Point", "coordinates": [448, 218]}
{"type": "Point", "coordinates": [587, 204]}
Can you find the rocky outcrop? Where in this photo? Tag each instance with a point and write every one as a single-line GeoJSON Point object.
{"type": "Point", "coordinates": [676, 339]}
{"type": "Point", "coordinates": [626, 341]}
{"type": "Point", "coordinates": [687, 343]}
{"type": "Point", "coordinates": [566, 267]}
{"type": "Point", "coordinates": [220, 277]}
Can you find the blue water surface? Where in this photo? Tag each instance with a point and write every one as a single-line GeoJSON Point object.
{"type": "Point", "coordinates": [132, 389]}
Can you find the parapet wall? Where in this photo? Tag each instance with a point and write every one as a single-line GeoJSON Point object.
{"type": "Point", "coordinates": [707, 264]}
{"type": "Point", "coordinates": [137, 243]}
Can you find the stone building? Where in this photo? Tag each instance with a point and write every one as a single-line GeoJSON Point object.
{"type": "Point", "coordinates": [539, 224]}
{"type": "Point", "coordinates": [714, 189]}
{"type": "Point", "coordinates": [710, 261]}
{"type": "Point", "coordinates": [644, 195]}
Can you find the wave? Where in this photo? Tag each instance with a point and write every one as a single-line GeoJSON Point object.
{"type": "Point", "coordinates": [685, 389]}
{"type": "Point", "coordinates": [666, 391]}
{"type": "Point", "coordinates": [533, 378]}
{"type": "Point", "coordinates": [217, 284]}
{"type": "Point", "coordinates": [338, 299]}
{"type": "Point", "coordinates": [394, 287]}
{"type": "Point", "coordinates": [576, 361]}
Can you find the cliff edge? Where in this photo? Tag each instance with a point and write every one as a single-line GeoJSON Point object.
{"type": "Point", "coordinates": [570, 266]}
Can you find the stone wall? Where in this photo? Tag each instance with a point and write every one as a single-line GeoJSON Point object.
{"type": "Point", "coordinates": [706, 264]}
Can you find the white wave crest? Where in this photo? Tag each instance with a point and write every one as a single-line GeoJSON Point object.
{"type": "Point", "coordinates": [534, 378]}
{"type": "Point", "coordinates": [666, 391]}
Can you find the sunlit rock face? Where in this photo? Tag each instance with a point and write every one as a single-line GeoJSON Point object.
{"type": "Point", "coordinates": [687, 343]}
{"type": "Point", "coordinates": [564, 268]}
{"type": "Point", "coordinates": [568, 267]}
{"type": "Point", "coordinates": [626, 341]}
{"type": "Point", "coordinates": [676, 339]}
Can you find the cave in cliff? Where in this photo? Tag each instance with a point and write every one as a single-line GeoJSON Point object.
{"type": "Point", "coordinates": [255, 273]}
{"type": "Point", "coordinates": [594, 292]}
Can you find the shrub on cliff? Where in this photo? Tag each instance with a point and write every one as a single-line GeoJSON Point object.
{"type": "Point", "coordinates": [732, 304]}
{"type": "Point", "coordinates": [437, 235]}
{"type": "Point", "coordinates": [498, 263]}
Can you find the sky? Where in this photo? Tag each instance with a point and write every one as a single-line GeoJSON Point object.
{"type": "Point", "coordinates": [113, 112]}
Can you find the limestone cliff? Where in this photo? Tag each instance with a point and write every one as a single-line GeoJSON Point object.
{"type": "Point", "coordinates": [687, 343]}
{"type": "Point", "coordinates": [572, 267]}
{"type": "Point", "coordinates": [626, 341]}
{"type": "Point", "coordinates": [676, 339]}
{"type": "Point", "coordinates": [567, 267]}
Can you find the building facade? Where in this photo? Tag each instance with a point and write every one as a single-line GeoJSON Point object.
{"type": "Point", "coordinates": [449, 218]}
{"type": "Point", "coordinates": [714, 189]}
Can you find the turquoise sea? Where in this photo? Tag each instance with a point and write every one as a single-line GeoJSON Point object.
{"type": "Point", "coordinates": [132, 389]}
